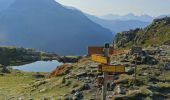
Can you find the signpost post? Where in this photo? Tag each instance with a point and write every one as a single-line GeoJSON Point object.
{"type": "Point", "coordinates": [104, 89]}
{"type": "Point", "coordinates": [102, 55]}
{"type": "Point", "coordinates": [135, 67]}
{"type": "Point", "coordinates": [136, 51]}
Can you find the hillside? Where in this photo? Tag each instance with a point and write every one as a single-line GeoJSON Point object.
{"type": "Point", "coordinates": [12, 56]}
{"type": "Point", "coordinates": [79, 80]}
{"type": "Point", "coordinates": [46, 25]}
{"type": "Point", "coordinates": [157, 33]}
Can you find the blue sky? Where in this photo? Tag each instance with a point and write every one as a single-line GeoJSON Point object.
{"type": "Point", "coordinates": [120, 7]}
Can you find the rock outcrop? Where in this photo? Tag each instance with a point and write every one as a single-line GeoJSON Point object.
{"type": "Point", "coordinates": [124, 37]}
{"type": "Point", "coordinates": [157, 33]}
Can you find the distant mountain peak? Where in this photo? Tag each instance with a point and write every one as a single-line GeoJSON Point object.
{"type": "Point", "coordinates": [129, 16]}
{"type": "Point", "coordinates": [118, 25]}
{"type": "Point", "coordinates": [33, 3]}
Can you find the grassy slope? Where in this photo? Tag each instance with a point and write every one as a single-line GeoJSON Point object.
{"type": "Point", "coordinates": [156, 33]}
{"type": "Point", "coordinates": [13, 84]}
{"type": "Point", "coordinates": [22, 83]}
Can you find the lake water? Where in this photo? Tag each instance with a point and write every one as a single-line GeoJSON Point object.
{"type": "Point", "coordinates": [39, 66]}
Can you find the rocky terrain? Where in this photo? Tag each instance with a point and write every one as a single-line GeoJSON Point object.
{"type": "Point", "coordinates": [79, 81]}
{"type": "Point", "coordinates": [157, 33]}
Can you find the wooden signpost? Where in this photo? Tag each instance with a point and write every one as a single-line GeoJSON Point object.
{"type": "Point", "coordinates": [100, 58]}
{"type": "Point", "coordinates": [101, 55]}
{"type": "Point", "coordinates": [98, 50]}
{"type": "Point", "coordinates": [113, 68]}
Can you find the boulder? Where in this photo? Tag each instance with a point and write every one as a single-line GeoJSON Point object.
{"type": "Point", "coordinates": [130, 71]}
{"type": "Point", "coordinates": [78, 96]}
{"type": "Point", "coordinates": [4, 70]}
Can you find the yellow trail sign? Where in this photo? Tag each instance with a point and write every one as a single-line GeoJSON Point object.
{"type": "Point", "coordinates": [99, 58]}
{"type": "Point", "coordinates": [113, 68]}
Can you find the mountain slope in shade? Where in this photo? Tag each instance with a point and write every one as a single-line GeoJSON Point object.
{"type": "Point", "coordinates": [5, 4]}
{"type": "Point", "coordinates": [47, 25]}
{"type": "Point", "coordinates": [118, 25]}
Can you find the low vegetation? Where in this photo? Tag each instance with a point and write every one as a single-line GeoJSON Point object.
{"type": "Point", "coordinates": [157, 33]}
{"type": "Point", "coordinates": [18, 56]}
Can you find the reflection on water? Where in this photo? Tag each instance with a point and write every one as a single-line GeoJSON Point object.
{"type": "Point", "coordinates": [39, 66]}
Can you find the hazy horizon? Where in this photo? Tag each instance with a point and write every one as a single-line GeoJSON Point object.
{"type": "Point", "coordinates": [138, 7]}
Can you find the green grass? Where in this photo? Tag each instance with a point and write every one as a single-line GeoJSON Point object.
{"type": "Point", "coordinates": [22, 83]}
{"type": "Point", "coordinates": [14, 83]}
{"type": "Point", "coordinates": [55, 88]}
{"type": "Point", "coordinates": [155, 34]}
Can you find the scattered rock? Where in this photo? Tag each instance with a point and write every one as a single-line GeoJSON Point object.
{"type": "Point", "coordinates": [4, 69]}
{"type": "Point", "coordinates": [39, 75]}
{"type": "Point", "coordinates": [78, 96]}
{"type": "Point", "coordinates": [42, 90]}
{"type": "Point", "coordinates": [145, 74]}
{"type": "Point", "coordinates": [120, 90]}
{"type": "Point", "coordinates": [39, 83]}
{"type": "Point", "coordinates": [130, 71]}
{"type": "Point", "coordinates": [82, 74]}
{"type": "Point", "coordinates": [66, 59]}
{"type": "Point", "coordinates": [2, 74]}
{"type": "Point", "coordinates": [67, 97]}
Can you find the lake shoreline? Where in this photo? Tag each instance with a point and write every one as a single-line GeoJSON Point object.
{"type": "Point", "coordinates": [38, 66]}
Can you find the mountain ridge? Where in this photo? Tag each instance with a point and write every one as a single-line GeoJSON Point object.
{"type": "Point", "coordinates": [129, 16]}
{"type": "Point", "coordinates": [118, 25]}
